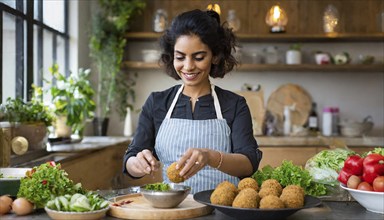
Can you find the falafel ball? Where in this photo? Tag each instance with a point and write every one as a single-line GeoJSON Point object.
{"type": "Point", "coordinates": [295, 188]}
{"type": "Point", "coordinates": [227, 185]}
{"type": "Point", "coordinates": [247, 198]}
{"type": "Point", "coordinates": [248, 182]}
{"type": "Point", "coordinates": [272, 183]}
{"type": "Point", "coordinates": [222, 196]}
{"type": "Point", "coordinates": [271, 202]}
{"type": "Point", "coordinates": [266, 191]}
{"type": "Point", "coordinates": [293, 196]}
{"type": "Point", "coordinates": [173, 173]}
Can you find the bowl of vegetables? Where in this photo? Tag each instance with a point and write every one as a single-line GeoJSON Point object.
{"type": "Point", "coordinates": [371, 200]}
{"type": "Point", "coordinates": [77, 206]}
{"type": "Point", "coordinates": [363, 178]}
{"type": "Point", "coordinates": [164, 195]}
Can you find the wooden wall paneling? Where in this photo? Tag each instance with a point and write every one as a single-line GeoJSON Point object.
{"type": "Point", "coordinates": [257, 15]}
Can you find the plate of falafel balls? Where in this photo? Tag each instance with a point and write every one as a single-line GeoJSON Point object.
{"type": "Point", "coordinates": [249, 201]}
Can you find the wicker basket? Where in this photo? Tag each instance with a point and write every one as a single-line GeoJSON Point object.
{"type": "Point", "coordinates": [356, 129]}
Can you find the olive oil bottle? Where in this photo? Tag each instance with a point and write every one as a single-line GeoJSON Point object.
{"type": "Point", "coordinates": [313, 120]}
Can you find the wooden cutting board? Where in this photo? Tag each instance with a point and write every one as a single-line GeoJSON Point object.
{"type": "Point", "coordinates": [289, 94]}
{"type": "Point", "coordinates": [255, 101]}
{"type": "Point", "coordinates": [139, 208]}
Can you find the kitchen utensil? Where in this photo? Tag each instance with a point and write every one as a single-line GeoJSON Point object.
{"type": "Point", "coordinates": [351, 128]}
{"type": "Point", "coordinates": [166, 199]}
{"type": "Point", "coordinates": [60, 215]}
{"type": "Point", "coordinates": [10, 182]}
{"type": "Point", "coordinates": [136, 207]}
{"type": "Point", "coordinates": [255, 213]}
{"type": "Point", "coordinates": [288, 95]}
{"type": "Point", "coordinates": [372, 201]}
{"type": "Point", "coordinates": [255, 101]}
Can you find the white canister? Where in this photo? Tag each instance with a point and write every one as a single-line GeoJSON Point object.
{"type": "Point", "coordinates": [327, 121]}
{"type": "Point", "coordinates": [128, 123]}
{"type": "Point", "coordinates": [293, 57]}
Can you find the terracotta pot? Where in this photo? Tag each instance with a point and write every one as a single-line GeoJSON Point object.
{"type": "Point", "coordinates": [35, 133]}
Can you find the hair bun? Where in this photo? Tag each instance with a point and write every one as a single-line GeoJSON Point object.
{"type": "Point", "coordinates": [214, 15]}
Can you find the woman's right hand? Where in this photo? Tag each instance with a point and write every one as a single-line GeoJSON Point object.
{"type": "Point", "coordinates": [143, 163]}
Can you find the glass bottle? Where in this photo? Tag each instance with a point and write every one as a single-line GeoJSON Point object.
{"type": "Point", "coordinates": [313, 120]}
{"type": "Point", "coordinates": [160, 20]}
{"type": "Point", "coordinates": [327, 121]}
{"type": "Point", "coordinates": [330, 19]}
{"type": "Point", "coordinates": [233, 20]}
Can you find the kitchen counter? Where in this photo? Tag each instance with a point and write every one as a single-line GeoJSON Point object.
{"type": "Point", "coordinates": [327, 210]}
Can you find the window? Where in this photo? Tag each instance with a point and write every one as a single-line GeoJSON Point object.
{"type": "Point", "coordinates": [34, 36]}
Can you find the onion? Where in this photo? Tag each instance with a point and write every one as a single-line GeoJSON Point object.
{"type": "Point", "coordinates": [5, 204]}
{"type": "Point", "coordinates": [22, 206]}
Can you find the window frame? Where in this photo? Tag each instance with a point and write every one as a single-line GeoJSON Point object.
{"type": "Point", "coordinates": [25, 16]}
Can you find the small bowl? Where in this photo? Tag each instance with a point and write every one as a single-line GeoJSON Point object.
{"type": "Point", "coordinates": [58, 215]}
{"type": "Point", "coordinates": [372, 201]}
{"type": "Point", "coordinates": [150, 56]}
{"type": "Point", "coordinates": [166, 199]}
{"type": "Point", "coordinates": [10, 182]}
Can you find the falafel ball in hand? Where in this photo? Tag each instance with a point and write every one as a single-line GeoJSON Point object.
{"type": "Point", "coordinates": [173, 173]}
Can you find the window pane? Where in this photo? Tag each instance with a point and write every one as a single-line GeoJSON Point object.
{"type": "Point", "coordinates": [61, 52]}
{"type": "Point", "coordinates": [9, 54]}
{"type": "Point", "coordinates": [47, 58]}
{"type": "Point", "coordinates": [53, 14]}
{"type": "Point", "coordinates": [37, 70]}
{"type": "Point", "coordinates": [10, 3]}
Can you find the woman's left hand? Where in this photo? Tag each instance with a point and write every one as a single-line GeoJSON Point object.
{"type": "Point", "coordinates": [194, 159]}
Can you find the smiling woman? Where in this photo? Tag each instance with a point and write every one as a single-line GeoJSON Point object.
{"type": "Point", "coordinates": [198, 128]}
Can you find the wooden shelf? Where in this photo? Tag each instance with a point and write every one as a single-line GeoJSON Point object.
{"type": "Point", "coordinates": [281, 37]}
{"type": "Point", "coordinates": [347, 68]}
{"type": "Point", "coordinates": [279, 67]}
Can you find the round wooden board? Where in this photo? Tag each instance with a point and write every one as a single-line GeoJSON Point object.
{"type": "Point", "coordinates": [287, 95]}
{"type": "Point", "coordinates": [139, 208]}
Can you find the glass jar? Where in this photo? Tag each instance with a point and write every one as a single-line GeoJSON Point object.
{"type": "Point", "coordinates": [160, 20]}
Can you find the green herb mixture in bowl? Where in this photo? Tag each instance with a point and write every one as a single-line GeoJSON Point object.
{"type": "Point", "coordinates": [164, 195]}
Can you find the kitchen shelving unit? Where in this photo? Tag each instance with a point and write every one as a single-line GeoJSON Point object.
{"type": "Point", "coordinates": [281, 38]}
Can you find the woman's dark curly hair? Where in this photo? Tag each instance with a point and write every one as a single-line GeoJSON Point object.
{"type": "Point", "coordinates": [206, 25]}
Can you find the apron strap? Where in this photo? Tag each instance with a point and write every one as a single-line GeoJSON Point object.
{"type": "Point", "coordinates": [215, 102]}
{"type": "Point", "coordinates": [170, 110]}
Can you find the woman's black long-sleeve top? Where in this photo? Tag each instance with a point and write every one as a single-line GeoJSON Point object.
{"type": "Point", "coordinates": [233, 107]}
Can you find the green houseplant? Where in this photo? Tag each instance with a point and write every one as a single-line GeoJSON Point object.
{"type": "Point", "coordinates": [71, 98]}
{"type": "Point", "coordinates": [107, 44]}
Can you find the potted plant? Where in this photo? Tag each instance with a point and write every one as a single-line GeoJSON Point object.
{"type": "Point", "coordinates": [72, 101]}
{"type": "Point", "coordinates": [293, 55]}
{"type": "Point", "coordinates": [107, 44]}
{"type": "Point", "coordinates": [27, 119]}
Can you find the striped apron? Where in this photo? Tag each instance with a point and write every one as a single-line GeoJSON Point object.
{"type": "Point", "coordinates": [176, 136]}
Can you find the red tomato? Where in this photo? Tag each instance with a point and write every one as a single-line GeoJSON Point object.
{"type": "Point", "coordinates": [378, 184]}
{"type": "Point", "coordinates": [365, 186]}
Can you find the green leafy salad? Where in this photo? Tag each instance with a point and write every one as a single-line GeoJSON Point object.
{"type": "Point", "coordinates": [157, 187]}
{"type": "Point", "coordinates": [288, 174]}
{"type": "Point", "coordinates": [46, 182]}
